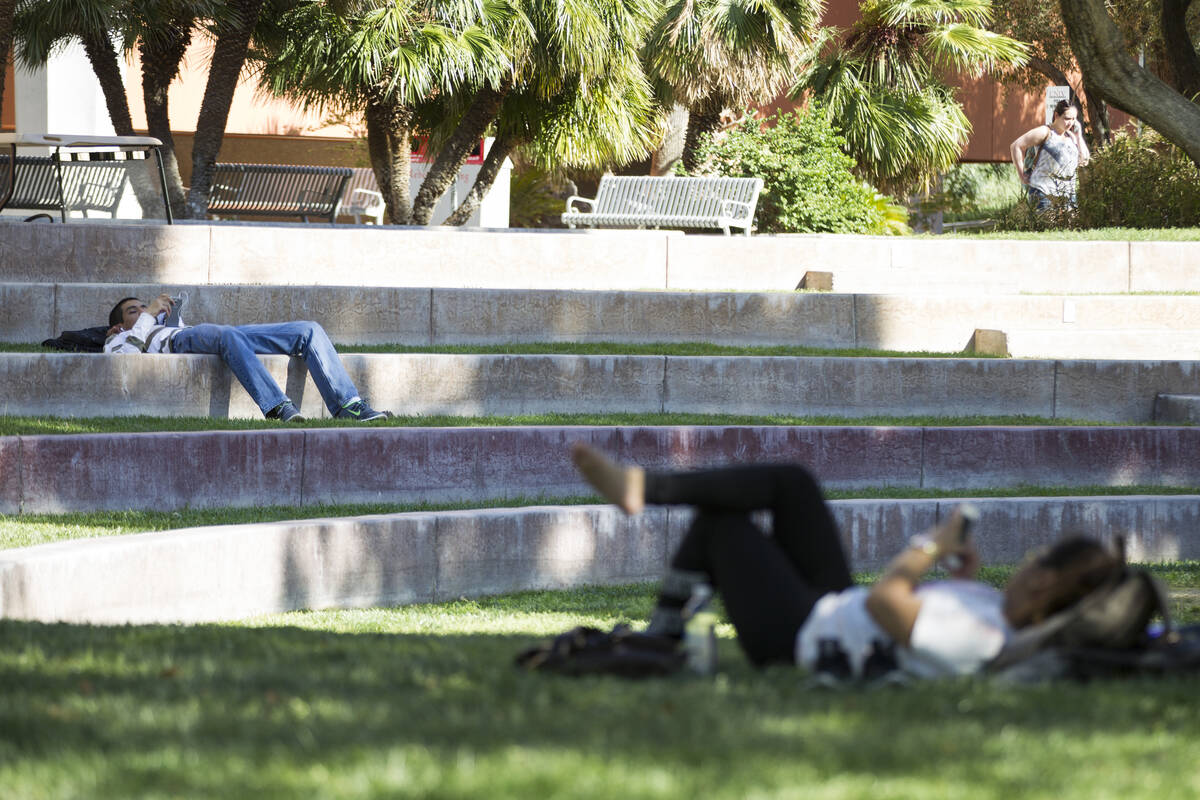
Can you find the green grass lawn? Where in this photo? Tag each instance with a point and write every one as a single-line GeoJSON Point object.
{"type": "Point", "coordinates": [1092, 235]}
{"type": "Point", "coordinates": [33, 426]}
{"type": "Point", "coordinates": [423, 702]}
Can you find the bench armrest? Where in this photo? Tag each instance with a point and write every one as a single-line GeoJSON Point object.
{"type": "Point", "coordinates": [590, 201]}
{"type": "Point", "coordinates": [366, 197]}
{"type": "Point", "coordinates": [730, 206]}
{"type": "Point", "coordinates": [99, 193]}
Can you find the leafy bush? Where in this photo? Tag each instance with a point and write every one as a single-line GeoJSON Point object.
{"type": "Point", "coordinates": [978, 191]}
{"type": "Point", "coordinates": [808, 185]}
{"type": "Point", "coordinates": [535, 198]}
{"type": "Point", "coordinates": [1135, 182]}
{"type": "Point", "coordinates": [1139, 182]}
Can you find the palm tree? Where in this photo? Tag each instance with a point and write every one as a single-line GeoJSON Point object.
{"type": "Point", "coordinates": [42, 26]}
{"type": "Point", "coordinates": [163, 30]}
{"type": "Point", "coordinates": [229, 55]}
{"type": "Point", "coordinates": [611, 121]}
{"type": "Point", "coordinates": [577, 97]}
{"type": "Point", "coordinates": [880, 85]}
{"type": "Point", "coordinates": [380, 59]}
{"type": "Point", "coordinates": [709, 55]}
{"type": "Point", "coordinates": [549, 41]}
{"type": "Point", "coordinates": [160, 29]}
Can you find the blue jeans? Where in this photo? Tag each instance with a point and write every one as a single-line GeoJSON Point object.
{"type": "Point", "coordinates": [1042, 202]}
{"type": "Point", "coordinates": [237, 347]}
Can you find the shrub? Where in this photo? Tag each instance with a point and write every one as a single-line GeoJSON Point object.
{"type": "Point", "coordinates": [1139, 182]}
{"type": "Point", "coordinates": [808, 183]}
{"type": "Point", "coordinates": [1135, 182]}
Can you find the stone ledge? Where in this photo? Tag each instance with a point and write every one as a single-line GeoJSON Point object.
{"type": "Point", "coordinates": [49, 474]}
{"type": "Point", "coordinates": [65, 384]}
{"type": "Point", "coordinates": [1177, 408]}
{"type": "Point", "coordinates": [237, 571]}
{"type": "Point", "coordinates": [301, 254]}
{"type": "Point", "coordinates": [1053, 326]}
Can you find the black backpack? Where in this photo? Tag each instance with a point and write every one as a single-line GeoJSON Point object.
{"type": "Point", "coordinates": [590, 651]}
{"type": "Point", "coordinates": [88, 340]}
{"type": "Point", "coordinates": [1106, 634]}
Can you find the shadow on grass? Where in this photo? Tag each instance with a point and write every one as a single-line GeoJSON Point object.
{"type": "Point", "coordinates": [235, 711]}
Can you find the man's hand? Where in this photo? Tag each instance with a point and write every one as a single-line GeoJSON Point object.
{"type": "Point", "coordinates": [159, 304]}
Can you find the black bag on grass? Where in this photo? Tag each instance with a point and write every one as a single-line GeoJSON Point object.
{"type": "Point", "coordinates": [88, 340]}
{"type": "Point", "coordinates": [591, 651]}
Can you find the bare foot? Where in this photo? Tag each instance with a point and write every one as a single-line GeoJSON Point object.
{"type": "Point", "coordinates": [624, 487]}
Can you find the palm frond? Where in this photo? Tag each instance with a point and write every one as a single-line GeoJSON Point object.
{"type": "Point", "coordinates": [964, 47]}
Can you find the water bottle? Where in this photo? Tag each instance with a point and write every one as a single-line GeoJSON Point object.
{"type": "Point", "coordinates": [700, 643]}
{"type": "Point", "coordinates": [699, 632]}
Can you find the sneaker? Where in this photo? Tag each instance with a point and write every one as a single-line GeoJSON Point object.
{"type": "Point", "coordinates": [358, 410]}
{"type": "Point", "coordinates": [286, 411]}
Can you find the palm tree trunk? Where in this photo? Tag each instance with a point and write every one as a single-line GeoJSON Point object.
{"type": "Point", "coordinates": [103, 58]}
{"type": "Point", "coordinates": [1181, 54]}
{"type": "Point", "coordinates": [704, 117]}
{"type": "Point", "coordinates": [161, 57]}
{"type": "Point", "coordinates": [668, 154]}
{"type": "Point", "coordinates": [228, 57]}
{"type": "Point", "coordinates": [453, 155]}
{"type": "Point", "coordinates": [389, 143]}
{"type": "Point", "coordinates": [1105, 63]}
{"type": "Point", "coordinates": [492, 163]}
{"type": "Point", "coordinates": [107, 67]}
{"type": "Point", "coordinates": [7, 9]}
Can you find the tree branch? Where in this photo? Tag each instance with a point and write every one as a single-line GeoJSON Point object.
{"type": "Point", "coordinates": [1181, 54]}
{"type": "Point", "coordinates": [1105, 62]}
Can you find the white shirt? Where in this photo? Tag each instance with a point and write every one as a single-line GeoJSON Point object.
{"type": "Point", "coordinates": [146, 336]}
{"type": "Point", "coordinates": [959, 628]}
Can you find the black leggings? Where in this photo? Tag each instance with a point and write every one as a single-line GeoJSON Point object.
{"type": "Point", "coordinates": [769, 583]}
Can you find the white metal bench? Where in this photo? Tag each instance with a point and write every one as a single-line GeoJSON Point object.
{"type": "Point", "coordinates": [668, 202]}
{"type": "Point", "coordinates": [362, 198]}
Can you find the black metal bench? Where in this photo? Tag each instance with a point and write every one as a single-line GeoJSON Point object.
{"type": "Point", "coordinates": [277, 190]}
{"type": "Point", "coordinates": [95, 184]}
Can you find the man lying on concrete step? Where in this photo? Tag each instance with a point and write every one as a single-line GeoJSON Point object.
{"type": "Point", "coordinates": [157, 328]}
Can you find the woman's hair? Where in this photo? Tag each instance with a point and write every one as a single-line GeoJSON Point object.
{"type": "Point", "coordinates": [1080, 565]}
{"type": "Point", "coordinates": [1061, 107]}
{"type": "Point", "coordinates": [115, 317]}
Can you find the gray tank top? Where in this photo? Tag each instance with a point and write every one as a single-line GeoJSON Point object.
{"type": "Point", "coordinates": [1054, 172]}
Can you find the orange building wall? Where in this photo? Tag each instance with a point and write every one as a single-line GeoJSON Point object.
{"type": "Point", "coordinates": [8, 109]}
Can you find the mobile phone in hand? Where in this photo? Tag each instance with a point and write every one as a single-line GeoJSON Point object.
{"type": "Point", "coordinates": [969, 517]}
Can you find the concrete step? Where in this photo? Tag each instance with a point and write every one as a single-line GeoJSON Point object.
{"type": "Point", "coordinates": [251, 253]}
{"type": "Point", "coordinates": [1177, 409]}
{"type": "Point", "coordinates": [49, 474]}
{"type": "Point", "coordinates": [69, 384]}
{"type": "Point", "coordinates": [1121, 326]}
{"type": "Point", "coordinates": [236, 571]}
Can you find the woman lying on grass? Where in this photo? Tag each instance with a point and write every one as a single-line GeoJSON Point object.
{"type": "Point", "coordinates": [790, 596]}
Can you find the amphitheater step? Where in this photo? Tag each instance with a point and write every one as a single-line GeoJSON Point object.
{"type": "Point", "coordinates": [1120, 326]}
{"type": "Point", "coordinates": [236, 571]}
{"type": "Point", "coordinates": [65, 384]}
{"type": "Point", "coordinates": [1177, 408]}
{"type": "Point", "coordinates": [164, 471]}
{"type": "Point", "coordinates": [254, 253]}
